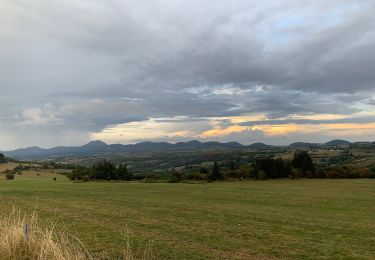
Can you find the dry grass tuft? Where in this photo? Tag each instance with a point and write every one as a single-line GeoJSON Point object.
{"type": "Point", "coordinates": [128, 252]}
{"type": "Point", "coordinates": [25, 237]}
{"type": "Point", "coordinates": [39, 242]}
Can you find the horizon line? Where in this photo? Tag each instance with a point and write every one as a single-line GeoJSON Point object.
{"type": "Point", "coordinates": [192, 140]}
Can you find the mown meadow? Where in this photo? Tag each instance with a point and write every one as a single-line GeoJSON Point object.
{"type": "Point", "coordinates": [273, 219]}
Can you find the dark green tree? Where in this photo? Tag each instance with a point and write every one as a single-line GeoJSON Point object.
{"type": "Point", "coordinates": [203, 170]}
{"type": "Point", "coordinates": [78, 173]}
{"type": "Point", "coordinates": [303, 162]}
{"type": "Point", "coordinates": [232, 165]}
{"type": "Point", "coordinates": [175, 176]}
{"type": "Point", "coordinates": [123, 173]}
{"type": "Point", "coordinates": [104, 170]}
{"type": "Point", "coordinates": [215, 174]}
{"type": "Point", "coordinates": [273, 168]}
{"type": "Point", "coordinates": [2, 158]}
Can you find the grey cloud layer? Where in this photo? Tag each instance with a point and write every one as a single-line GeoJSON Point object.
{"type": "Point", "coordinates": [80, 66]}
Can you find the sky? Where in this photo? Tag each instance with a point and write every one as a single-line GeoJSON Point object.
{"type": "Point", "coordinates": [127, 71]}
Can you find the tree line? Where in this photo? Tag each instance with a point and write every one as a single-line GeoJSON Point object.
{"type": "Point", "coordinates": [301, 166]}
{"type": "Point", "coordinates": [101, 170]}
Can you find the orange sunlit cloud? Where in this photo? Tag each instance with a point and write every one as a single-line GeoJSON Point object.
{"type": "Point", "coordinates": [223, 131]}
{"type": "Point", "coordinates": [319, 117]}
{"type": "Point", "coordinates": [153, 129]}
{"type": "Point", "coordinates": [284, 129]}
{"type": "Point", "coordinates": [129, 132]}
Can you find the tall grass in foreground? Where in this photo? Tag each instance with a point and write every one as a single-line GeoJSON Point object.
{"type": "Point", "coordinates": [43, 241]}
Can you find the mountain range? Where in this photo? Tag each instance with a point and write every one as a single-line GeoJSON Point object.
{"type": "Point", "coordinates": [99, 147]}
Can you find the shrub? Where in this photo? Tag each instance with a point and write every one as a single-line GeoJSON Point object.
{"type": "Point", "coordinates": [78, 173]}
{"type": "Point", "coordinates": [350, 174]}
{"type": "Point", "coordinates": [203, 170]}
{"type": "Point", "coordinates": [9, 176]}
{"type": "Point", "coordinates": [175, 177]}
{"type": "Point", "coordinates": [71, 177]}
{"type": "Point", "coordinates": [296, 173]}
{"type": "Point", "coordinates": [196, 176]}
{"type": "Point", "coordinates": [139, 177]}
{"type": "Point", "coordinates": [85, 178]}
{"type": "Point", "coordinates": [151, 179]}
{"type": "Point", "coordinates": [372, 173]}
{"type": "Point", "coordinates": [334, 174]}
{"type": "Point", "coordinates": [309, 174]}
{"type": "Point", "coordinates": [321, 173]}
{"type": "Point", "coordinates": [252, 174]}
{"type": "Point", "coordinates": [261, 175]}
{"type": "Point", "coordinates": [231, 174]}
{"type": "Point", "coordinates": [363, 173]}
{"type": "Point", "coordinates": [241, 172]}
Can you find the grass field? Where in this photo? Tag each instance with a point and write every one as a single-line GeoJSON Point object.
{"type": "Point", "coordinates": [281, 219]}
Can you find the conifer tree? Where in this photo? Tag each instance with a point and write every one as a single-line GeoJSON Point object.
{"type": "Point", "coordinates": [215, 174]}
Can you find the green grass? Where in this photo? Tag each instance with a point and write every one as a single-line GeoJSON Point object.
{"type": "Point", "coordinates": [282, 219]}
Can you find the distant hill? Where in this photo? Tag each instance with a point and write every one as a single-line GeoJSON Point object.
{"type": "Point", "coordinates": [99, 147]}
{"type": "Point", "coordinates": [259, 146]}
{"type": "Point", "coordinates": [301, 145]}
{"type": "Point", "coordinates": [333, 143]}
{"type": "Point", "coordinates": [337, 143]}
{"type": "Point", "coordinates": [94, 145]}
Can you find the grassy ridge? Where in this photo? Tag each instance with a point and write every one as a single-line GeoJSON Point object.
{"type": "Point", "coordinates": [282, 219]}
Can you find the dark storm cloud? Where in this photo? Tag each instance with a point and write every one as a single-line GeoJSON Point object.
{"type": "Point", "coordinates": [359, 120]}
{"type": "Point", "coordinates": [80, 66]}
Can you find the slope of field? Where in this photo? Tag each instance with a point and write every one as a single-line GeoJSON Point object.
{"type": "Point", "coordinates": [283, 219]}
{"type": "Point", "coordinates": [6, 166]}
